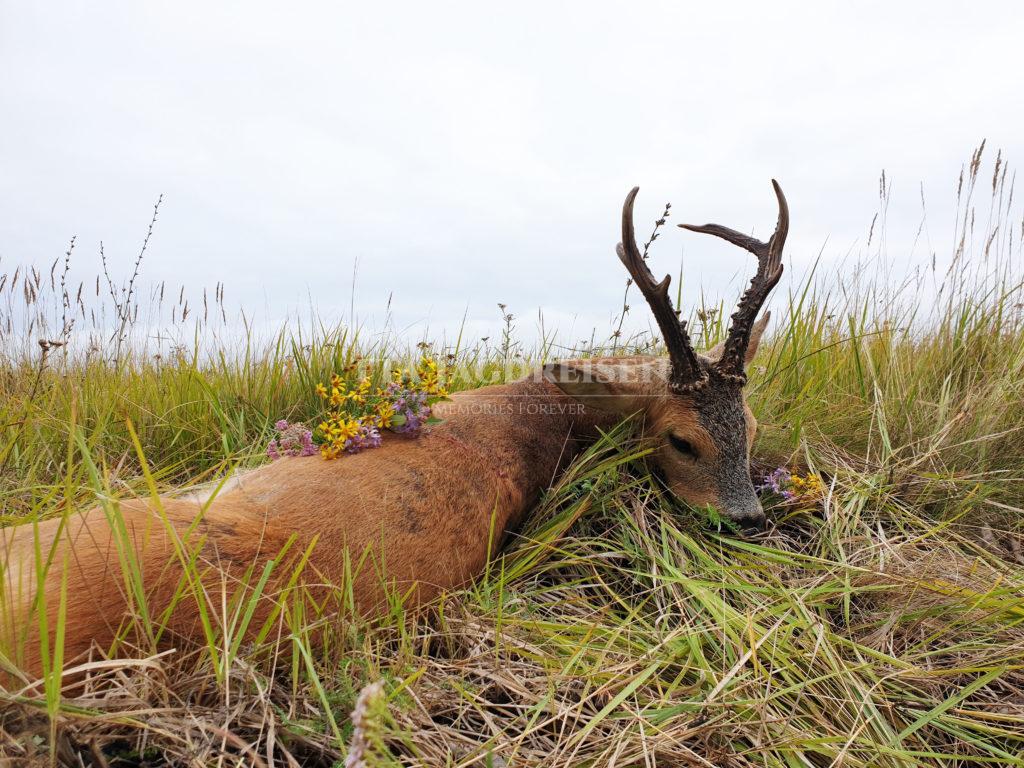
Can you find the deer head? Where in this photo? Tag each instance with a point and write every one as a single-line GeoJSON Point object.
{"type": "Point", "coordinates": [693, 404]}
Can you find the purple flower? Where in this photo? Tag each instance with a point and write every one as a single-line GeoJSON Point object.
{"type": "Point", "coordinates": [368, 437]}
{"type": "Point", "coordinates": [777, 482]}
{"type": "Point", "coordinates": [411, 405]}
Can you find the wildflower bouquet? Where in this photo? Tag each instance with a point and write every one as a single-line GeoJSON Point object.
{"type": "Point", "coordinates": [356, 413]}
{"type": "Point", "coordinates": [793, 487]}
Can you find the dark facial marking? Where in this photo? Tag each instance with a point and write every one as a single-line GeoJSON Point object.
{"type": "Point", "coordinates": [720, 411]}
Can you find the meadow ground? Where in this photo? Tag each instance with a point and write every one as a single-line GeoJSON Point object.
{"type": "Point", "coordinates": [880, 621]}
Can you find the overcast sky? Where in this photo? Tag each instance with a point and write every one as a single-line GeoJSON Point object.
{"type": "Point", "coordinates": [471, 153]}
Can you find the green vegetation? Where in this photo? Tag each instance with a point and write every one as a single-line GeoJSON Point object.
{"type": "Point", "coordinates": [883, 626]}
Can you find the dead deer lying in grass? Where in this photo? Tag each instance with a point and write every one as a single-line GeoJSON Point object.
{"type": "Point", "coordinates": [427, 510]}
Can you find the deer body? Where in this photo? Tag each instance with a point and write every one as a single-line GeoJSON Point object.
{"type": "Point", "coordinates": [423, 513]}
{"type": "Point", "coordinates": [418, 515]}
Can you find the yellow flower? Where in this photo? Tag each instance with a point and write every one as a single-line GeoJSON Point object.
{"type": "Point", "coordinates": [809, 486]}
{"type": "Point", "coordinates": [429, 378]}
{"type": "Point", "coordinates": [344, 428]}
{"type": "Point", "coordinates": [321, 391]}
{"type": "Point", "coordinates": [384, 413]}
{"type": "Point", "coordinates": [337, 396]}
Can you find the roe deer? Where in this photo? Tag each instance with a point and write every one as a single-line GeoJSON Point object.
{"type": "Point", "coordinates": [429, 509]}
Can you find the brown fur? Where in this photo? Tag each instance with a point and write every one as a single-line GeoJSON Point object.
{"type": "Point", "coordinates": [418, 509]}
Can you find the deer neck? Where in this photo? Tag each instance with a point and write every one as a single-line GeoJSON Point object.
{"type": "Point", "coordinates": [523, 433]}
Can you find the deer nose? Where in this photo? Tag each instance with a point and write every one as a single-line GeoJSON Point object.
{"type": "Point", "coordinates": [753, 524]}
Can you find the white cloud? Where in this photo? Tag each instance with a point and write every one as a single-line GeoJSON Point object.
{"type": "Point", "coordinates": [468, 154]}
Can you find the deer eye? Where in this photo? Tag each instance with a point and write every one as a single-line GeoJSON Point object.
{"type": "Point", "coordinates": [684, 447]}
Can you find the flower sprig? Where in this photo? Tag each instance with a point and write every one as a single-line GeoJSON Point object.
{"type": "Point", "coordinates": [292, 440]}
{"type": "Point", "coordinates": [794, 487]}
{"type": "Point", "coordinates": [356, 414]}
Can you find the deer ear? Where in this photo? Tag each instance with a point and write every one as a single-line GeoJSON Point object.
{"type": "Point", "coordinates": [755, 336]}
{"type": "Point", "coordinates": [602, 385]}
{"type": "Point", "coordinates": [714, 354]}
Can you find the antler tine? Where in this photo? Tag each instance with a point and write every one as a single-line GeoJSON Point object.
{"type": "Point", "coordinates": [769, 270]}
{"type": "Point", "coordinates": [687, 373]}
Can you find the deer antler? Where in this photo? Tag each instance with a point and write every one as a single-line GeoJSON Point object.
{"type": "Point", "coordinates": [769, 270]}
{"type": "Point", "coordinates": [687, 373]}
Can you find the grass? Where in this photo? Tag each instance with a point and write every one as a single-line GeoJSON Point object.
{"type": "Point", "coordinates": [883, 626]}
